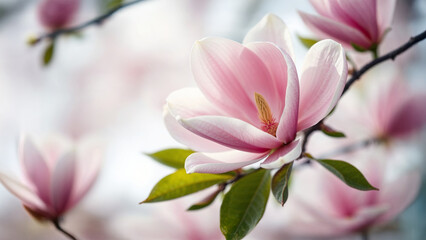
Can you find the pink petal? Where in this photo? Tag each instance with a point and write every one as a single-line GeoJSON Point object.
{"type": "Point", "coordinates": [36, 169]}
{"type": "Point", "coordinates": [271, 29]}
{"type": "Point", "coordinates": [329, 28]}
{"type": "Point", "coordinates": [286, 84]}
{"type": "Point", "coordinates": [186, 137]}
{"type": "Point", "coordinates": [190, 102]}
{"type": "Point", "coordinates": [25, 194]}
{"type": "Point", "coordinates": [408, 117]}
{"type": "Point", "coordinates": [385, 10]}
{"type": "Point", "coordinates": [398, 195]}
{"type": "Point", "coordinates": [229, 75]}
{"type": "Point", "coordinates": [283, 155]}
{"type": "Point", "coordinates": [220, 162]}
{"type": "Point", "coordinates": [323, 78]}
{"type": "Point", "coordinates": [231, 132]}
{"type": "Point", "coordinates": [63, 183]}
{"type": "Point", "coordinates": [88, 164]}
{"type": "Point", "coordinates": [363, 12]}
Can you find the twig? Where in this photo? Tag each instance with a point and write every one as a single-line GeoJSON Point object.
{"type": "Point", "coordinates": [59, 228]}
{"type": "Point", "coordinates": [357, 74]}
{"type": "Point", "coordinates": [391, 55]}
{"type": "Point", "coordinates": [96, 21]}
{"type": "Point", "coordinates": [364, 235]}
{"type": "Point", "coordinates": [351, 147]}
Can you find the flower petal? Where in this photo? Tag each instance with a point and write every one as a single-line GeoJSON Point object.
{"type": "Point", "coordinates": [328, 28]}
{"type": "Point", "coordinates": [36, 169]}
{"type": "Point", "coordinates": [88, 164]}
{"type": "Point", "coordinates": [408, 117]}
{"type": "Point", "coordinates": [385, 10]}
{"type": "Point", "coordinates": [283, 155]}
{"type": "Point", "coordinates": [286, 84]}
{"type": "Point", "coordinates": [63, 182]}
{"type": "Point", "coordinates": [190, 102]}
{"type": "Point", "coordinates": [186, 137]}
{"type": "Point", "coordinates": [229, 75]}
{"type": "Point", "coordinates": [363, 13]}
{"type": "Point", "coordinates": [220, 162]}
{"type": "Point", "coordinates": [271, 29]}
{"type": "Point", "coordinates": [323, 78]}
{"type": "Point", "coordinates": [25, 194]}
{"type": "Point", "coordinates": [231, 132]}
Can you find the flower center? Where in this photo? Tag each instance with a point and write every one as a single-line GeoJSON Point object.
{"type": "Point", "coordinates": [269, 124]}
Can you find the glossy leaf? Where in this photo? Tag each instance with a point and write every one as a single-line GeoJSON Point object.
{"type": "Point", "coordinates": [206, 201]}
{"type": "Point", "coordinates": [280, 183]}
{"type": "Point", "coordinates": [307, 42]}
{"type": "Point", "coordinates": [331, 132]}
{"type": "Point", "coordinates": [173, 157]}
{"type": "Point", "coordinates": [243, 206]}
{"type": "Point", "coordinates": [48, 53]}
{"type": "Point", "coordinates": [179, 184]}
{"type": "Point", "coordinates": [347, 173]}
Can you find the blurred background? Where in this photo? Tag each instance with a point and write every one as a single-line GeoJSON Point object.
{"type": "Point", "coordinates": [111, 82]}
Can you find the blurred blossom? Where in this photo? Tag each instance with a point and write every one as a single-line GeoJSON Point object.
{"type": "Point", "coordinates": [180, 224]}
{"type": "Point", "coordinates": [56, 176]}
{"type": "Point", "coordinates": [54, 14]}
{"type": "Point", "coordinates": [249, 106]}
{"type": "Point", "coordinates": [397, 111]}
{"type": "Point", "coordinates": [321, 205]}
{"type": "Point", "coordinates": [360, 22]}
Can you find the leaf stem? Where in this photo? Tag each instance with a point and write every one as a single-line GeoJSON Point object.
{"type": "Point", "coordinates": [59, 228]}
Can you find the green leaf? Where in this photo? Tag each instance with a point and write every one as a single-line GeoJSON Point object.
{"type": "Point", "coordinates": [48, 53]}
{"type": "Point", "coordinates": [113, 4]}
{"type": "Point", "coordinates": [173, 157]}
{"type": "Point", "coordinates": [179, 184]}
{"type": "Point", "coordinates": [244, 205]}
{"type": "Point", "coordinates": [307, 42]}
{"type": "Point", "coordinates": [331, 132]}
{"type": "Point", "coordinates": [347, 173]}
{"type": "Point", "coordinates": [280, 182]}
{"type": "Point", "coordinates": [206, 201]}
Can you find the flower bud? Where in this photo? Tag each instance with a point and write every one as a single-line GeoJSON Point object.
{"type": "Point", "coordinates": [54, 14]}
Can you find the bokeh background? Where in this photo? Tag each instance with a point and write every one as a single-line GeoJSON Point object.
{"type": "Point", "coordinates": [111, 83]}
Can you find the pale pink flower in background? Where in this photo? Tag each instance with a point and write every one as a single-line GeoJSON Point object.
{"type": "Point", "coordinates": [397, 111]}
{"type": "Point", "coordinates": [54, 14]}
{"type": "Point", "coordinates": [321, 205]}
{"type": "Point", "coordinates": [250, 103]}
{"type": "Point", "coordinates": [360, 22]}
{"type": "Point", "coordinates": [56, 176]}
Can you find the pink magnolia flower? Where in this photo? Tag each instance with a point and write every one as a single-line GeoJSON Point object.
{"type": "Point", "coordinates": [397, 111]}
{"type": "Point", "coordinates": [54, 14]}
{"type": "Point", "coordinates": [250, 103]}
{"type": "Point", "coordinates": [362, 22]}
{"type": "Point", "coordinates": [56, 176]}
{"type": "Point", "coordinates": [321, 205]}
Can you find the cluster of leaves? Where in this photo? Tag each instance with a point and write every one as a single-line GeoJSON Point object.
{"type": "Point", "coordinates": [246, 191]}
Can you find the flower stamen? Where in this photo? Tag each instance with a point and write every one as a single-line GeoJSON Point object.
{"type": "Point", "coordinates": [265, 115]}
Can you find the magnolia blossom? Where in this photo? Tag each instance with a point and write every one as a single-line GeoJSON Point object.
{"type": "Point", "coordinates": [56, 176]}
{"type": "Point", "coordinates": [397, 111]}
{"type": "Point", "coordinates": [250, 103]}
{"type": "Point", "coordinates": [320, 204]}
{"type": "Point", "coordinates": [360, 22]}
{"type": "Point", "coordinates": [55, 14]}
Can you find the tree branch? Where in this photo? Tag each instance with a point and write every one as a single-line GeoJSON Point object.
{"type": "Point", "coordinates": [357, 75]}
{"type": "Point", "coordinates": [391, 55]}
{"type": "Point", "coordinates": [59, 228]}
{"type": "Point", "coordinates": [96, 21]}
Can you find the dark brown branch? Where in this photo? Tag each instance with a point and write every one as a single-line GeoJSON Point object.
{"type": "Point", "coordinates": [391, 55]}
{"type": "Point", "coordinates": [59, 228]}
{"type": "Point", "coordinates": [96, 21]}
